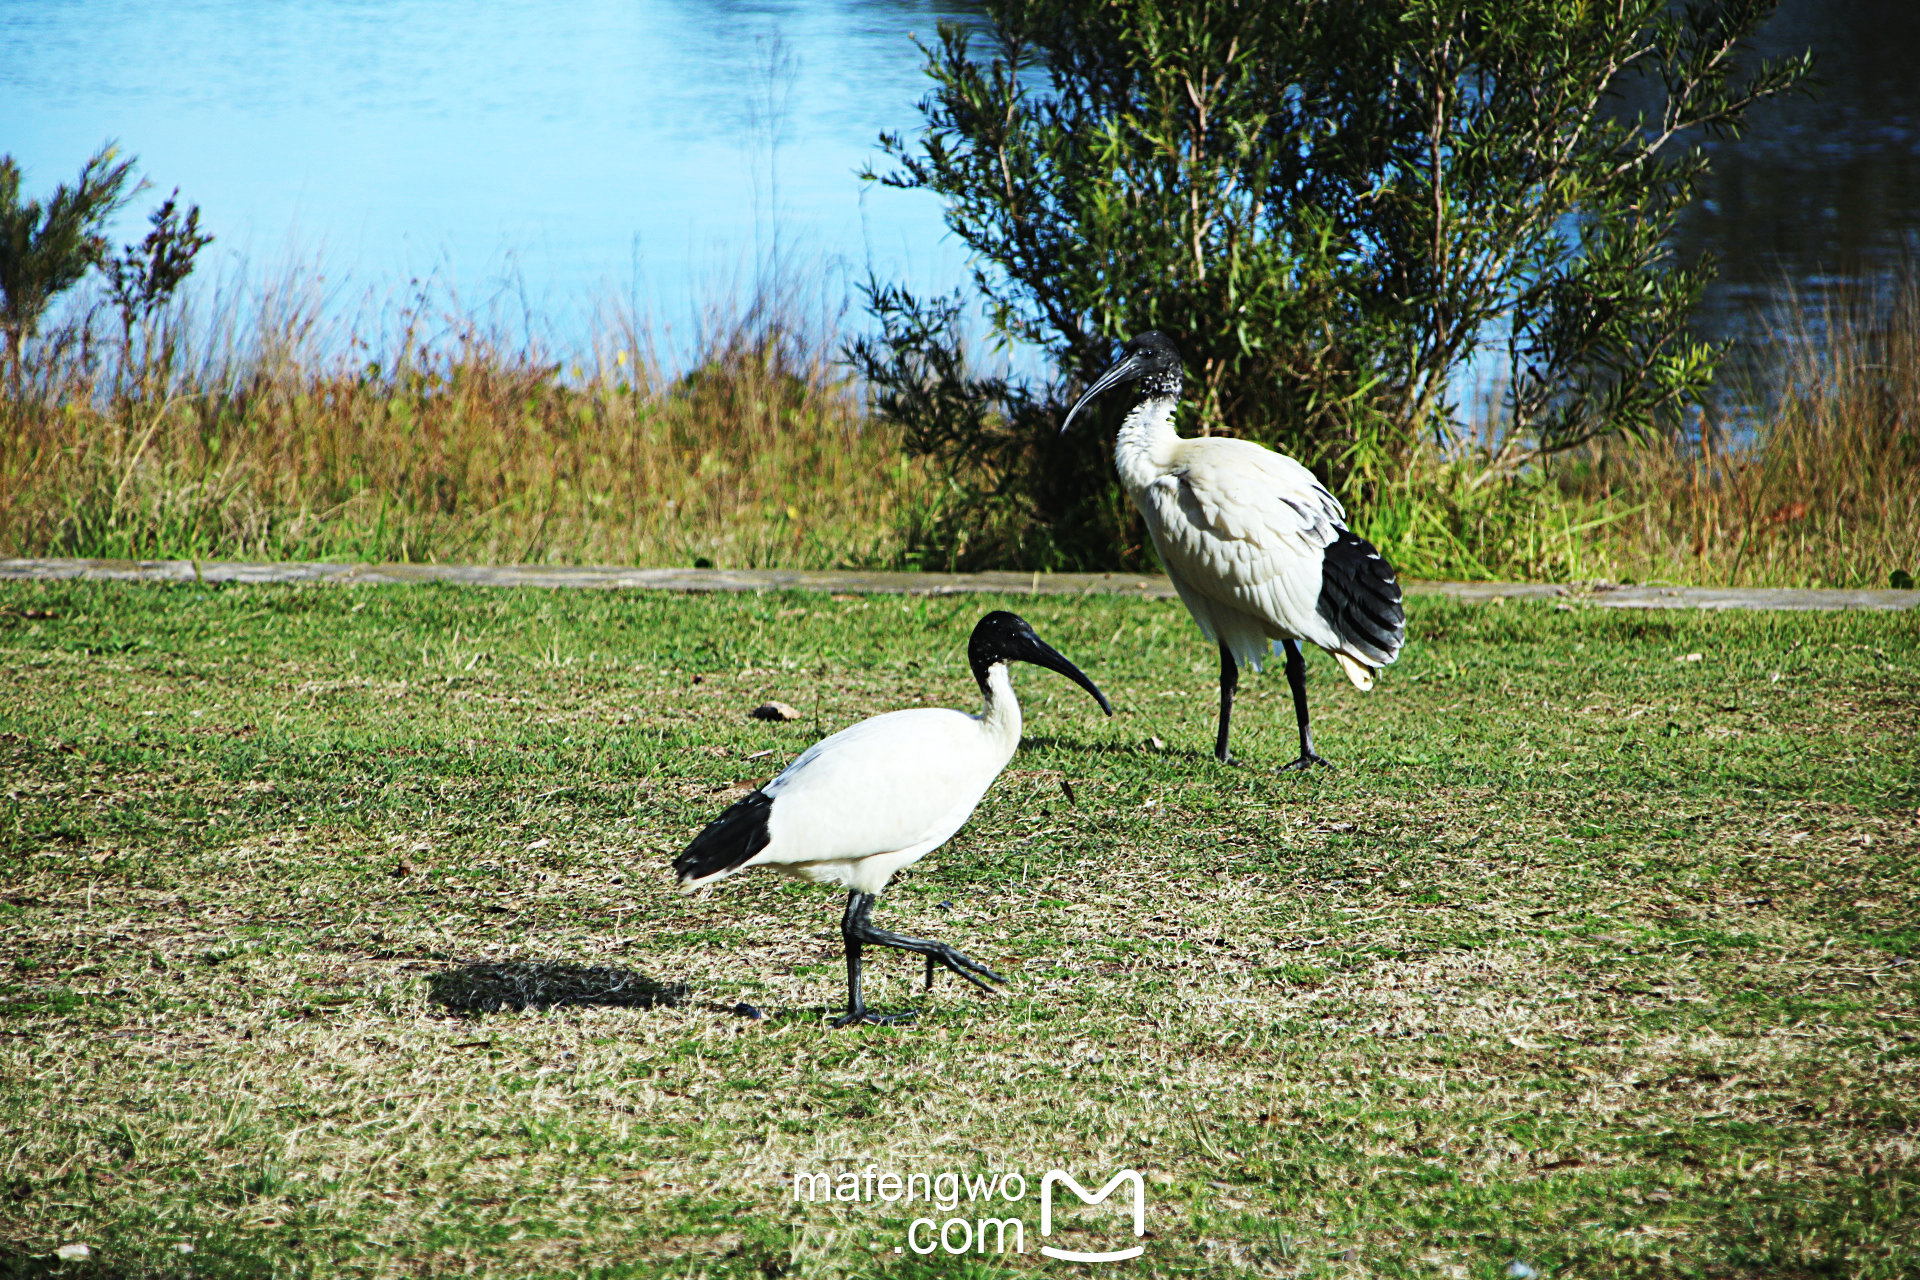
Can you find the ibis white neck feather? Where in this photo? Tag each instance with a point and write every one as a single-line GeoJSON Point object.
{"type": "Point", "coordinates": [1143, 451]}
{"type": "Point", "coordinates": [1000, 715]}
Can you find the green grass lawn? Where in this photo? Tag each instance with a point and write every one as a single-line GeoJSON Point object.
{"type": "Point", "coordinates": [1594, 953]}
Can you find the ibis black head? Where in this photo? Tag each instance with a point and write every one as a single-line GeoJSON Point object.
{"type": "Point", "coordinates": [1150, 359]}
{"type": "Point", "coordinates": [1006, 637]}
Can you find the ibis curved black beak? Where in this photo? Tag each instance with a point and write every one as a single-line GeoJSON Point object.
{"type": "Point", "coordinates": [1123, 370]}
{"type": "Point", "coordinates": [1042, 654]}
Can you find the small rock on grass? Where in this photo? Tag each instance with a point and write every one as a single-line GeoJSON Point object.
{"type": "Point", "coordinates": [73, 1253]}
{"type": "Point", "coordinates": [775, 711]}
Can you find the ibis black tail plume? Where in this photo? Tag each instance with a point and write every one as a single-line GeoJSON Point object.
{"type": "Point", "coordinates": [1360, 599]}
{"type": "Point", "coordinates": [727, 843]}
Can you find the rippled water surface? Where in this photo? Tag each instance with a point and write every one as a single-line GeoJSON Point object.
{"type": "Point", "coordinates": [1825, 187]}
{"type": "Point", "coordinates": [563, 154]}
{"type": "Point", "coordinates": [643, 147]}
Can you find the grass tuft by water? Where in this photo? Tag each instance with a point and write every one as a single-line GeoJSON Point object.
{"type": "Point", "coordinates": [250, 436]}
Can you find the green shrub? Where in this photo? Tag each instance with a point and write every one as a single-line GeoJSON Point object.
{"type": "Point", "coordinates": [46, 249]}
{"type": "Point", "coordinates": [1331, 207]}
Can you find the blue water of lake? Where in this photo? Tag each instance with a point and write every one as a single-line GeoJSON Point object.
{"type": "Point", "coordinates": [555, 157]}
{"type": "Point", "coordinates": [652, 150]}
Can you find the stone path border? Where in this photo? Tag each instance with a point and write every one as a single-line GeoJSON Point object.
{"type": "Point", "coordinates": [858, 582]}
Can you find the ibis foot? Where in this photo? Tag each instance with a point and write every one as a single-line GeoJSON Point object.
{"type": "Point", "coordinates": [872, 1018]}
{"type": "Point", "coordinates": [961, 963]}
{"type": "Point", "coordinates": [1307, 760]}
{"type": "Point", "coordinates": [860, 934]}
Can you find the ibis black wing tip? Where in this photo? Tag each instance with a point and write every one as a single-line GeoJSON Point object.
{"type": "Point", "coordinates": [727, 843]}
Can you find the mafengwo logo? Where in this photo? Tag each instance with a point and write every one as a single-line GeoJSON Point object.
{"type": "Point", "coordinates": [993, 1202]}
{"type": "Point", "coordinates": [1126, 1176]}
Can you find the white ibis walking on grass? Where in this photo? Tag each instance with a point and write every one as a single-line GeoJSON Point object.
{"type": "Point", "coordinates": [861, 805]}
{"type": "Point", "coordinates": [1257, 548]}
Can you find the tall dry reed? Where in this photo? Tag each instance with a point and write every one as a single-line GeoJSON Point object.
{"type": "Point", "coordinates": [425, 434]}
{"type": "Point", "coordinates": [1823, 490]}
{"type": "Point", "coordinates": [264, 435]}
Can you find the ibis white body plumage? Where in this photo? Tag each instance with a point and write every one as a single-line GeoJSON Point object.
{"type": "Point", "coordinates": [1258, 549]}
{"type": "Point", "coordinates": [856, 808]}
{"type": "Point", "coordinates": [874, 799]}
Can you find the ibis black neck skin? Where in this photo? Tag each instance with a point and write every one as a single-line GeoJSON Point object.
{"type": "Point", "coordinates": [1160, 386]}
{"type": "Point", "coordinates": [1002, 637]}
{"type": "Point", "coordinates": [1150, 360]}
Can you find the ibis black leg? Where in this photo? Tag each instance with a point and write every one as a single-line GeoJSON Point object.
{"type": "Point", "coordinates": [1229, 681]}
{"type": "Point", "coordinates": [1297, 681]}
{"type": "Point", "coordinates": [858, 904]}
{"type": "Point", "coordinates": [858, 932]}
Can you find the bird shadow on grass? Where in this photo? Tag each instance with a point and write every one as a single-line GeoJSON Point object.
{"type": "Point", "coordinates": [490, 986]}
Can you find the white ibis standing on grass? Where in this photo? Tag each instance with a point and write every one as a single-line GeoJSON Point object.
{"type": "Point", "coordinates": [875, 798]}
{"type": "Point", "coordinates": [1257, 548]}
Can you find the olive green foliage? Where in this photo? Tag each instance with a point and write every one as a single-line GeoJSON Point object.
{"type": "Point", "coordinates": [1332, 208]}
{"type": "Point", "coordinates": [142, 279]}
{"type": "Point", "coordinates": [46, 249]}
